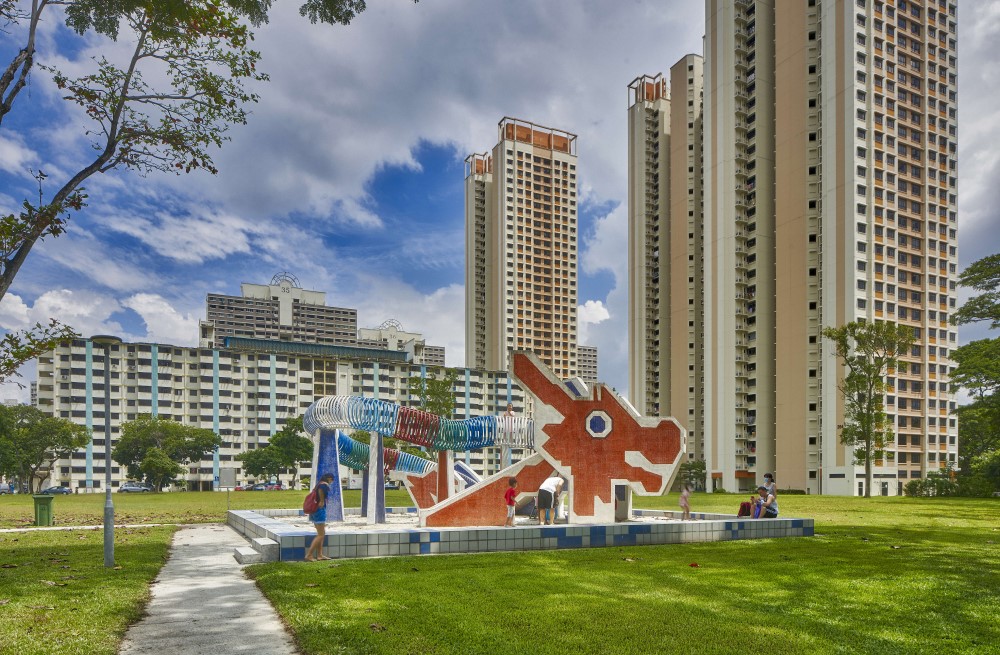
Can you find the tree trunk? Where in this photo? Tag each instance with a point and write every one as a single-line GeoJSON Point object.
{"type": "Point", "coordinates": [868, 474]}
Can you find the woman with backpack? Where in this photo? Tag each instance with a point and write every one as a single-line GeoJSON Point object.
{"type": "Point", "coordinates": [318, 518]}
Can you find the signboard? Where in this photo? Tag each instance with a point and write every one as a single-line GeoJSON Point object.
{"type": "Point", "coordinates": [226, 478]}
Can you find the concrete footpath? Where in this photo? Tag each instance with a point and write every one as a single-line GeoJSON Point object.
{"type": "Point", "coordinates": [202, 603]}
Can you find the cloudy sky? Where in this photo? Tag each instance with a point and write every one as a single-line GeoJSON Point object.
{"type": "Point", "coordinates": [350, 172]}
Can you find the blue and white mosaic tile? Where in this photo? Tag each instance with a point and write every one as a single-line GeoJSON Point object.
{"type": "Point", "coordinates": [388, 541]}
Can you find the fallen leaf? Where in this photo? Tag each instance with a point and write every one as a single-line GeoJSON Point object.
{"type": "Point", "coordinates": [414, 569]}
{"type": "Point", "coordinates": [377, 627]}
{"type": "Point", "coordinates": [311, 584]}
{"type": "Point", "coordinates": [895, 547]}
{"type": "Point", "coordinates": [628, 559]}
{"type": "Point", "coordinates": [117, 568]}
{"type": "Point", "coordinates": [694, 565]}
{"type": "Point", "coordinates": [8, 566]}
{"type": "Point", "coordinates": [4, 601]}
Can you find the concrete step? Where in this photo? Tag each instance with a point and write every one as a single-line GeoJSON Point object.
{"type": "Point", "coordinates": [247, 555]}
{"type": "Point", "coordinates": [268, 548]}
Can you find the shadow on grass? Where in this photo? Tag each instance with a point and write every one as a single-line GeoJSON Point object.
{"type": "Point", "coordinates": [849, 591]}
{"type": "Point", "coordinates": [57, 596]}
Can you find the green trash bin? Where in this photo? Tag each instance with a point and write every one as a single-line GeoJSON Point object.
{"type": "Point", "coordinates": [43, 509]}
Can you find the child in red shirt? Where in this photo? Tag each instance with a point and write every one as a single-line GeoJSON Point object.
{"type": "Point", "coordinates": [508, 497]}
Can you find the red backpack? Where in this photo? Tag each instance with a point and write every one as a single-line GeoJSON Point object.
{"type": "Point", "coordinates": [311, 502]}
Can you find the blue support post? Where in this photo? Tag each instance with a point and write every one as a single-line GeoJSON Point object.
{"type": "Point", "coordinates": [328, 461]}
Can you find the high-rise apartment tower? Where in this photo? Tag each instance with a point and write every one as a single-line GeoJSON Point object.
{"type": "Point", "coordinates": [829, 152]}
{"type": "Point", "coordinates": [521, 248]}
{"type": "Point", "coordinates": [666, 314]}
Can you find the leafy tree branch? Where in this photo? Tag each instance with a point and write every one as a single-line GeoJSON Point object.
{"type": "Point", "coordinates": [868, 352]}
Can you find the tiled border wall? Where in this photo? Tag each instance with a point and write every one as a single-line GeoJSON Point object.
{"type": "Point", "coordinates": [387, 541]}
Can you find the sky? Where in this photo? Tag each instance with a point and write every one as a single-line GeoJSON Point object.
{"type": "Point", "coordinates": [349, 173]}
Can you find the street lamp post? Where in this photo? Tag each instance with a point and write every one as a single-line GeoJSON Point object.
{"type": "Point", "coordinates": [106, 341]}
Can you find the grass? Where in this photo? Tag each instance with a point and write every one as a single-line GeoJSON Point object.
{"type": "Point", "coordinates": [883, 575]}
{"type": "Point", "coordinates": [57, 597]}
{"type": "Point", "coordinates": [55, 594]}
{"type": "Point", "coordinates": [17, 511]}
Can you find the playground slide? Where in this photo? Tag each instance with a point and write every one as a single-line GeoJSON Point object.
{"type": "Point", "coordinates": [417, 427]}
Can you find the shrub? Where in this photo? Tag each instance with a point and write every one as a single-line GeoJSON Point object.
{"type": "Point", "coordinates": [975, 486]}
{"type": "Point", "coordinates": [935, 484]}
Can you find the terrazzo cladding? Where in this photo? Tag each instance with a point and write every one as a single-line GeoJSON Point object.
{"type": "Point", "coordinates": [649, 527]}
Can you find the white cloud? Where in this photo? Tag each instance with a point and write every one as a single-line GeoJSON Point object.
{"type": "Point", "coordinates": [14, 313]}
{"type": "Point", "coordinates": [82, 252]}
{"type": "Point", "coordinates": [438, 316]}
{"type": "Point", "coordinates": [164, 324]}
{"type": "Point", "coordinates": [606, 247]}
{"type": "Point", "coordinates": [590, 313]}
{"type": "Point", "coordinates": [344, 103]}
{"type": "Point", "coordinates": [85, 311]}
{"type": "Point", "coordinates": [611, 338]}
{"type": "Point", "coordinates": [190, 238]}
{"type": "Point", "coordinates": [15, 156]}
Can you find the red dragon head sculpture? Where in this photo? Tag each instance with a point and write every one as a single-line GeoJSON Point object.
{"type": "Point", "coordinates": [598, 441]}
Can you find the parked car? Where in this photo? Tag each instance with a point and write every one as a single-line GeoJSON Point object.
{"type": "Point", "coordinates": [133, 487]}
{"type": "Point", "coordinates": [6, 488]}
{"type": "Point", "coordinates": [52, 491]}
{"type": "Point", "coordinates": [266, 486]}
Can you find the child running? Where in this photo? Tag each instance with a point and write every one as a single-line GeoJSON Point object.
{"type": "Point", "coordinates": [685, 502]}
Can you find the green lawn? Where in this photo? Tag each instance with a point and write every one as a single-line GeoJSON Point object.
{"type": "Point", "coordinates": [174, 507]}
{"type": "Point", "coordinates": [57, 597]}
{"type": "Point", "coordinates": [884, 575]}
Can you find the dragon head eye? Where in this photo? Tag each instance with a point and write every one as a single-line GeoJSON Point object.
{"type": "Point", "coordinates": [598, 424]}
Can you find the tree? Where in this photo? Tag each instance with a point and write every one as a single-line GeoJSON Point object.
{"type": "Point", "coordinates": [868, 351]}
{"type": "Point", "coordinates": [987, 466]}
{"type": "Point", "coordinates": [978, 371]}
{"type": "Point", "coordinates": [978, 431]}
{"type": "Point", "coordinates": [982, 275]}
{"type": "Point", "coordinates": [264, 461]}
{"type": "Point", "coordinates": [693, 473]}
{"type": "Point", "coordinates": [31, 440]}
{"type": "Point", "coordinates": [21, 346]}
{"type": "Point", "coordinates": [163, 110]}
{"type": "Point", "coordinates": [292, 446]}
{"type": "Point", "coordinates": [436, 395]}
{"type": "Point", "coordinates": [182, 444]}
{"type": "Point", "coordinates": [158, 469]}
